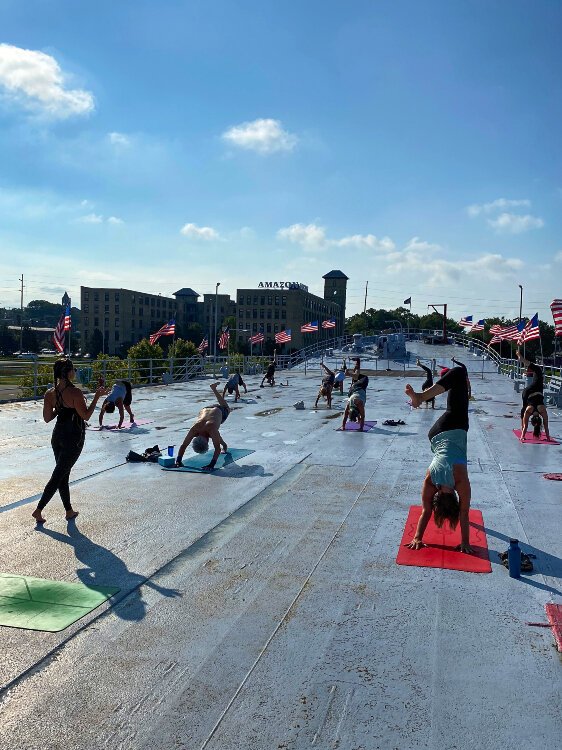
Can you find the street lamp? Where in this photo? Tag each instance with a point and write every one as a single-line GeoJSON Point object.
{"type": "Point", "coordinates": [520, 302]}
{"type": "Point", "coordinates": [216, 316]}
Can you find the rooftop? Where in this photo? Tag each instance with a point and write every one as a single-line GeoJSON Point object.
{"type": "Point", "coordinates": [335, 275]}
{"type": "Point", "coordinates": [261, 606]}
{"type": "Point", "coordinates": [186, 292]}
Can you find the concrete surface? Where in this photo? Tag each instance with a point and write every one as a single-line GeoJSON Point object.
{"type": "Point", "coordinates": [261, 606]}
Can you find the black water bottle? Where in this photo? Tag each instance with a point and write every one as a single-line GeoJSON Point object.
{"type": "Point", "coordinates": [514, 558]}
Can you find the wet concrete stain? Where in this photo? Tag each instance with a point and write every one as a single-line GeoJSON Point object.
{"type": "Point", "coordinates": [334, 416]}
{"type": "Point", "coordinates": [269, 412]}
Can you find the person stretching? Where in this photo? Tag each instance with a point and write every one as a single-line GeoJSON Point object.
{"type": "Point", "coordinates": [269, 375]}
{"type": "Point", "coordinates": [427, 383]}
{"type": "Point", "coordinates": [446, 487]}
{"type": "Point", "coordinates": [206, 427]}
{"type": "Point", "coordinates": [356, 398]}
{"type": "Point", "coordinates": [327, 385]}
{"type": "Point", "coordinates": [120, 396]}
{"type": "Point", "coordinates": [232, 385]}
{"type": "Point", "coordinates": [533, 396]}
{"type": "Point", "coordinates": [66, 403]}
{"type": "Point", "coordinates": [340, 377]}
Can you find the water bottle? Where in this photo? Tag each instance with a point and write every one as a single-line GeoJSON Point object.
{"type": "Point", "coordinates": [514, 558]}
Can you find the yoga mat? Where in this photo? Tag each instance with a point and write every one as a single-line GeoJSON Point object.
{"type": "Point", "coordinates": [554, 477]}
{"type": "Point", "coordinates": [195, 463]}
{"type": "Point", "coordinates": [530, 438]}
{"type": "Point", "coordinates": [554, 614]}
{"type": "Point", "coordinates": [440, 552]}
{"type": "Point", "coordinates": [354, 427]}
{"type": "Point", "coordinates": [40, 604]}
{"type": "Point", "coordinates": [126, 426]}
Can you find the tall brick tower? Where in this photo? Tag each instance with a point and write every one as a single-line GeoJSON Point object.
{"type": "Point", "coordinates": [335, 289]}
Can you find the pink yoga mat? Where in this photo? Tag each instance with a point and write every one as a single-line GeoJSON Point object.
{"type": "Point", "coordinates": [354, 427]}
{"type": "Point", "coordinates": [126, 426]}
{"type": "Point", "coordinates": [530, 438]}
{"type": "Point", "coordinates": [440, 551]}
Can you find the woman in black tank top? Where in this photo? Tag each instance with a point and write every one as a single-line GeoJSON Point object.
{"type": "Point", "coordinates": [66, 403]}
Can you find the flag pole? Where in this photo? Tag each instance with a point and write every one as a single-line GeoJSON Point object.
{"type": "Point", "coordinates": [70, 312]}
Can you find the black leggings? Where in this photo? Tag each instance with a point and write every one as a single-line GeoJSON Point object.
{"type": "Point", "coordinates": [67, 451]}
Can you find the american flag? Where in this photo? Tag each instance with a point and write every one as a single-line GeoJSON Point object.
{"type": "Point", "coordinates": [466, 322]}
{"type": "Point", "coordinates": [224, 338]}
{"type": "Point", "coordinates": [495, 339]}
{"type": "Point", "coordinates": [531, 330]}
{"type": "Point", "coordinates": [556, 309]}
{"type": "Point", "coordinates": [257, 338]}
{"type": "Point", "coordinates": [58, 335]}
{"type": "Point", "coordinates": [67, 319]}
{"type": "Point", "coordinates": [329, 323]}
{"type": "Point", "coordinates": [478, 326]}
{"type": "Point", "coordinates": [512, 333]}
{"type": "Point", "coordinates": [496, 329]}
{"type": "Point", "coordinates": [310, 327]}
{"type": "Point", "coordinates": [169, 329]}
{"type": "Point", "coordinates": [203, 345]}
{"type": "Point", "coordinates": [283, 336]}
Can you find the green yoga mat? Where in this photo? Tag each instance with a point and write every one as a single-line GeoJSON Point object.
{"type": "Point", "coordinates": [39, 604]}
{"type": "Point", "coordinates": [196, 463]}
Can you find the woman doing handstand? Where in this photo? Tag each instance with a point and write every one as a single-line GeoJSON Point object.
{"type": "Point", "coordinates": [446, 487]}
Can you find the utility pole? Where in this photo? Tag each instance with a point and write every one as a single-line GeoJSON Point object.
{"type": "Point", "coordinates": [365, 305]}
{"type": "Point", "coordinates": [444, 319]}
{"type": "Point", "coordinates": [21, 316]}
{"type": "Point", "coordinates": [520, 302]}
{"type": "Point", "coordinates": [216, 315]}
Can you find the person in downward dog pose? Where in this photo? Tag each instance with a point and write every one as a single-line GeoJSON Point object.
{"type": "Point", "coordinates": [427, 383]}
{"type": "Point", "coordinates": [120, 396]}
{"type": "Point", "coordinates": [446, 487]}
{"type": "Point", "coordinates": [533, 397]}
{"type": "Point", "coordinates": [65, 403]}
{"type": "Point", "coordinates": [327, 386]}
{"type": "Point", "coordinates": [269, 375]}
{"type": "Point", "coordinates": [206, 428]}
{"type": "Point", "coordinates": [232, 384]}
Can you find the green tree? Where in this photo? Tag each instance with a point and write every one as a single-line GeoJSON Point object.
{"type": "Point", "coordinates": [148, 360]}
{"type": "Point", "coordinates": [8, 343]}
{"type": "Point", "coordinates": [29, 340]}
{"type": "Point", "coordinates": [181, 349]}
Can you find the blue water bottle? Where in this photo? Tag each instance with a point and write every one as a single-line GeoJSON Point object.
{"type": "Point", "coordinates": [514, 558]}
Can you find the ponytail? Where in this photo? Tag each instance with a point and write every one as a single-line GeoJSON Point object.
{"type": "Point", "coordinates": [61, 369]}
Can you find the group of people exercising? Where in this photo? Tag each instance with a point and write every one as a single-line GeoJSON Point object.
{"type": "Point", "coordinates": [446, 488]}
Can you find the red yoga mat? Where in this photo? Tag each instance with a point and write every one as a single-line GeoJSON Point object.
{"type": "Point", "coordinates": [440, 552]}
{"type": "Point", "coordinates": [126, 425]}
{"type": "Point", "coordinates": [530, 438]}
{"type": "Point", "coordinates": [554, 614]}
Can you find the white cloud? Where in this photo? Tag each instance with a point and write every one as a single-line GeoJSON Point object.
{"type": "Point", "coordinates": [90, 219]}
{"type": "Point", "coordinates": [507, 223]}
{"type": "Point", "coordinates": [421, 246]}
{"type": "Point", "coordinates": [497, 205]}
{"type": "Point", "coordinates": [115, 220]}
{"type": "Point", "coordinates": [558, 257]}
{"type": "Point", "coordinates": [313, 238]}
{"type": "Point", "coordinates": [36, 80]}
{"type": "Point", "coordinates": [199, 233]}
{"type": "Point", "coordinates": [119, 139]}
{"type": "Point", "coordinates": [266, 136]}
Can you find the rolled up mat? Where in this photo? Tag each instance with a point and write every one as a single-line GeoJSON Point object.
{"type": "Point", "coordinates": [440, 551]}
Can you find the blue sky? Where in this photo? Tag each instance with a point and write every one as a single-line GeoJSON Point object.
{"type": "Point", "coordinates": [160, 145]}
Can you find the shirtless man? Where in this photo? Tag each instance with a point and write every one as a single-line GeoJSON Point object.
{"type": "Point", "coordinates": [206, 427]}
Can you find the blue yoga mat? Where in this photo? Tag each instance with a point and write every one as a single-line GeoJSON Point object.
{"type": "Point", "coordinates": [196, 463]}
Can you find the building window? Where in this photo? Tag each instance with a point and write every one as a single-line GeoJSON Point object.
{"type": "Point", "coordinates": [116, 335]}
{"type": "Point", "coordinates": [106, 296]}
{"type": "Point", "coordinates": [262, 314]}
{"type": "Point", "coordinates": [283, 300]}
{"type": "Point", "coordinates": [96, 322]}
{"type": "Point", "coordinates": [132, 297]}
{"type": "Point", "coordinates": [254, 313]}
{"type": "Point", "coordinates": [96, 297]}
{"type": "Point", "coordinates": [106, 322]}
{"type": "Point", "coordinates": [117, 296]}
{"type": "Point", "coordinates": [132, 323]}
{"type": "Point", "coordinates": [276, 328]}
{"type": "Point", "coordinates": [255, 299]}
{"type": "Point", "coordinates": [116, 309]}
{"type": "Point", "coordinates": [283, 314]}
{"type": "Point", "coordinates": [116, 322]}
{"type": "Point", "coordinates": [269, 327]}
{"type": "Point", "coordinates": [146, 302]}
{"type": "Point", "coordinates": [276, 316]}
{"type": "Point", "coordinates": [133, 311]}
{"type": "Point", "coordinates": [269, 314]}
{"type": "Point", "coordinates": [86, 308]}
{"type": "Point", "coordinates": [158, 302]}
{"type": "Point", "coordinates": [153, 302]}
{"type": "Point", "coordinates": [269, 300]}
{"type": "Point", "coordinates": [254, 327]}
{"type": "Point", "coordinates": [152, 313]}
{"type": "Point", "coordinates": [248, 300]}
{"type": "Point", "coordinates": [86, 322]}
{"type": "Point", "coordinates": [86, 296]}
{"type": "Point", "coordinates": [241, 299]}
{"type": "Point", "coordinates": [106, 307]}
{"type": "Point", "coordinates": [96, 308]}
{"type": "Point", "coordinates": [276, 299]}
{"type": "Point", "coordinates": [240, 313]}
{"type": "Point", "coordinates": [262, 299]}
{"type": "Point", "coordinates": [141, 311]}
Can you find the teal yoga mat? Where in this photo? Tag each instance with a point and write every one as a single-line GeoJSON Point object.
{"type": "Point", "coordinates": [40, 604]}
{"type": "Point", "coordinates": [196, 463]}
